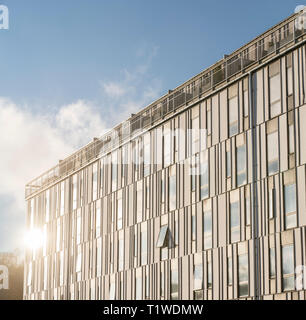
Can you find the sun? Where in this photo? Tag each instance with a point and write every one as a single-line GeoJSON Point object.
{"type": "Point", "coordinates": [34, 239]}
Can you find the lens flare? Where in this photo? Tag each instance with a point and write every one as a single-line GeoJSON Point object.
{"type": "Point", "coordinates": [34, 239]}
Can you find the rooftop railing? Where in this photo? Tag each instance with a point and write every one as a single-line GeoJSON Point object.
{"type": "Point", "coordinates": [263, 46]}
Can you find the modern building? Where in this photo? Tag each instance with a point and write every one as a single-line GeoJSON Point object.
{"type": "Point", "coordinates": [201, 195]}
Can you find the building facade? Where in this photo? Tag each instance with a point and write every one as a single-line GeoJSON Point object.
{"type": "Point", "coordinates": [201, 195]}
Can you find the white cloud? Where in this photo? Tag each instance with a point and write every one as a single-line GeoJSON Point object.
{"type": "Point", "coordinates": [31, 144]}
{"type": "Point", "coordinates": [114, 89]}
{"type": "Point", "coordinates": [134, 89]}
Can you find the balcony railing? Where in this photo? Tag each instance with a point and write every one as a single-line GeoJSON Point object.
{"type": "Point", "coordinates": [270, 42]}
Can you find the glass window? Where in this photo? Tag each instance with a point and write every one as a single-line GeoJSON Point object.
{"type": "Point", "coordinates": [172, 192]}
{"type": "Point", "coordinates": [138, 288]}
{"type": "Point", "coordinates": [112, 291]}
{"type": "Point", "coordinates": [209, 274]}
{"type": "Point", "coordinates": [114, 171]}
{"type": "Point", "coordinates": [195, 135]}
{"type": "Point", "coordinates": [174, 284]}
{"type": "Point", "coordinates": [193, 226]}
{"type": "Point", "coordinates": [271, 203]}
{"type": "Point", "coordinates": [162, 237]}
{"type": "Point", "coordinates": [291, 138]}
{"type": "Point", "coordinates": [290, 205]}
{"type": "Point", "coordinates": [289, 81]}
{"type": "Point", "coordinates": [243, 275]}
{"type": "Point", "coordinates": [272, 142]}
{"type": "Point", "coordinates": [229, 271]}
{"type": "Point", "coordinates": [233, 115]}
{"type": "Point", "coordinates": [204, 176]}
{"type": "Point", "coordinates": [208, 120]}
{"type": "Point", "coordinates": [247, 211]}
{"type": "Point", "coordinates": [288, 267]}
{"type": "Point", "coordinates": [207, 220]}
{"type": "Point", "coordinates": [228, 164]}
{"type": "Point", "coordinates": [162, 188]}
{"type": "Point", "coordinates": [275, 95]}
{"type": "Point", "coordinates": [272, 268]}
{"type": "Point", "coordinates": [74, 191]}
{"type": "Point", "coordinates": [241, 165]}
{"type": "Point", "coordinates": [167, 147]}
{"type": "Point", "coordinates": [144, 247]}
{"type": "Point", "coordinates": [95, 181]}
{"type": "Point", "coordinates": [146, 155]}
{"type": "Point", "coordinates": [119, 210]}
{"type": "Point", "coordinates": [193, 174]}
{"type": "Point", "coordinates": [198, 277]}
{"type": "Point", "coordinates": [120, 254]}
{"type": "Point", "coordinates": [139, 201]}
{"type": "Point", "coordinates": [235, 221]}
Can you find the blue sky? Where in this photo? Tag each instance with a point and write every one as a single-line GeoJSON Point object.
{"type": "Point", "coordinates": [105, 59]}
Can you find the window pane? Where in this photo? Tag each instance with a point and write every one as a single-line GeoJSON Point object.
{"type": "Point", "coordinates": [241, 165]}
{"type": "Point", "coordinates": [228, 164]}
{"type": "Point", "coordinates": [235, 221]}
{"type": "Point", "coordinates": [204, 179]}
{"type": "Point", "coordinates": [290, 198]}
{"type": "Point", "coordinates": [291, 139]}
{"type": "Point", "coordinates": [112, 291]}
{"type": "Point", "coordinates": [198, 277]}
{"type": "Point", "coordinates": [229, 271]}
{"type": "Point", "coordinates": [172, 192]}
{"type": "Point", "coordinates": [289, 79]}
{"type": "Point", "coordinates": [288, 259]}
{"type": "Point", "coordinates": [174, 284]}
{"type": "Point", "coordinates": [207, 229]}
{"type": "Point", "coordinates": [271, 204]}
{"type": "Point", "coordinates": [247, 211]}
{"type": "Point", "coordinates": [275, 88]}
{"type": "Point", "coordinates": [144, 247]}
{"type": "Point", "coordinates": [243, 275]}
{"type": "Point", "coordinates": [162, 237]}
{"type": "Point", "coordinates": [272, 262]}
{"type": "Point", "coordinates": [209, 274]}
{"type": "Point", "coordinates": [272, 140]}
{"type": "Point", "coordinates": [138, 288]}
{"type": "Point", "coordinates": [233, 115]}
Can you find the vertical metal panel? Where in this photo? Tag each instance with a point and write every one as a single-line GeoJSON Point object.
{"type": "Point", "coordinates": [260, 97]}
{"type": "Point", "coordinates": [223, 115]}
{"type": "Point", "coordinates": [283, 142]}
{"type": "Point", "coordinates": [215, 119]}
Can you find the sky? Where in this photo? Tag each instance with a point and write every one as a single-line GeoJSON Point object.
{"type": "Point", "coordinates": [71, 69]}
